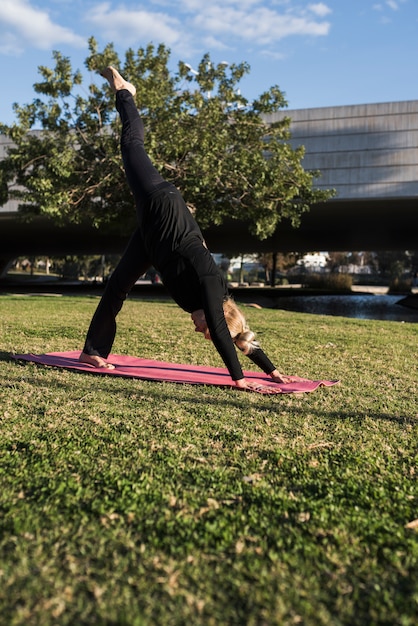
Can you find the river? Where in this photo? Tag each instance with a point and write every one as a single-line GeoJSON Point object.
{"type": "Point", "coordinates": [374, 307]}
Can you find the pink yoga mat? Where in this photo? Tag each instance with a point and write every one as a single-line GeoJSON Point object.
{"type": "Point", "coordinates": [148, 369]}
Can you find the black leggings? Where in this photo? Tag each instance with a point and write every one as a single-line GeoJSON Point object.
{"type": "Point", "coordinates": [133, 264]}
{"type": "Point", "coordinates": [143, 180]}
{"type": "Point", "coordinates": [142, 176]}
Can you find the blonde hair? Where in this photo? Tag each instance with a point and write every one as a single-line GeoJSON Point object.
{"type": "Point", "coordinates": [242, 336]}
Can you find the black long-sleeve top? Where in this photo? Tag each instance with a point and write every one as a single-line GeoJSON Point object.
{"type": "Point", "coordinates": [176, 247]}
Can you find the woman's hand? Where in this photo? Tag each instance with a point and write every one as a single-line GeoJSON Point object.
{"type": "Point", "coordinates": [251, 385]}
{"type": "Point", "coordinates": [280, 378]}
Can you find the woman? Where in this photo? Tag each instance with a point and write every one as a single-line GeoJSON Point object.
{"type": "Point", "coordinates": [169, 239]}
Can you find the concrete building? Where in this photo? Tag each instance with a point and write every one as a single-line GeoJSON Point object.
{"type": "Point", "coordinates": [368, 153]}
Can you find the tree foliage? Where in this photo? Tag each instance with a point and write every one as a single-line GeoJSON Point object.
{"type": "Point", "coordinates": [202, 135]}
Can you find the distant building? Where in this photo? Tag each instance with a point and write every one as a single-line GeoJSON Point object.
{"type": "Point", "coordinates": [316, 261]}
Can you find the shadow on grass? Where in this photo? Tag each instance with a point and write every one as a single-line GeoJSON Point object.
{"type": "Point", "coordinates": [6, 356]}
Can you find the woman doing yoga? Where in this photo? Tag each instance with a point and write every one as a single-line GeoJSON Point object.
{"type": "Point", "coordinates": [169, 239]}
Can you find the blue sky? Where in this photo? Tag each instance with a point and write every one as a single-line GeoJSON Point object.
{"type": "Point", "coordinates": [326, 53]}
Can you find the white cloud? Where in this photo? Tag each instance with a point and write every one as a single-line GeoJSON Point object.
{"type": "Point", "coordinates": [260, 26]}
{"type": "Point", "coordinates": [195, 24]}
{"type": "Point", "coordinates": [23, 25]}
{"type": "Point", "coordinates": [196, 6]}
{"type": "Point", "coordinates": [276, 56]}
{"type": "Point", "coordinates": [320, 9]}
{"type": "Point", "coordinates": [395, 5]}
{"type": "Point", "coordinates": [130, 26]}
{"type": "Point", "coordinates": [10, 45]}
{"type": "Point", "coordinates": [211, 43]}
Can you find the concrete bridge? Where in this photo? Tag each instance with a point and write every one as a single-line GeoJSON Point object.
{"type": "Point", "coordinates": [367, 153]}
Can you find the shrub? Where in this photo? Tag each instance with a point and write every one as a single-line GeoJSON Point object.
{"type": "Point", "coordinates": [400, 285]}
{"type": "Point", "coordinates": [339, 282]}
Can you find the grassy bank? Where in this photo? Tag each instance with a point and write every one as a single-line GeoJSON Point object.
{"type": "Point", "coordinates": [124, 502]}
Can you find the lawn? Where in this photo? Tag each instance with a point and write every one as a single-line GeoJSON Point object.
{"type": "Point", "coordinates": [126, 502]}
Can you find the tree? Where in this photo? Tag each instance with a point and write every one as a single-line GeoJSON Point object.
{"type": "Point", "coordinates": [393, 263]}
{"type": "Point", "coordinates": [277, 261]}
{"type": "Point", "coordinates": [202, 135]}
{"type": "Point", "coordinates": [337, 260]}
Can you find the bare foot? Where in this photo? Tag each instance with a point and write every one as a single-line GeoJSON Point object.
{"type": "Point", "coordinates": [257, 387]}
{"type": "Point", "coordinates": [116, 81]}
{"type": "Point", "coordinates": [96, 361]}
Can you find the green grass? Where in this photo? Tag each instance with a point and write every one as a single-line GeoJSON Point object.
{"type": "Point", "coordinates": [125, 502]}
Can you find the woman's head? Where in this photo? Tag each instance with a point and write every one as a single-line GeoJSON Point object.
{"type": "Point", "coordinates": [242, 336]}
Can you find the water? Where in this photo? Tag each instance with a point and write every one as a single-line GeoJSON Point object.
{"type": "Point", "coordinates": [372, 307]}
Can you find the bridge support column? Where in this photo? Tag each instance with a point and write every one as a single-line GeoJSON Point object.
{"type": "Point", "coordinates": [5, 263]}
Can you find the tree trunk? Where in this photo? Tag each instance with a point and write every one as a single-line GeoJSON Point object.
{"type": "Point", "coordinates": [273, 270]}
